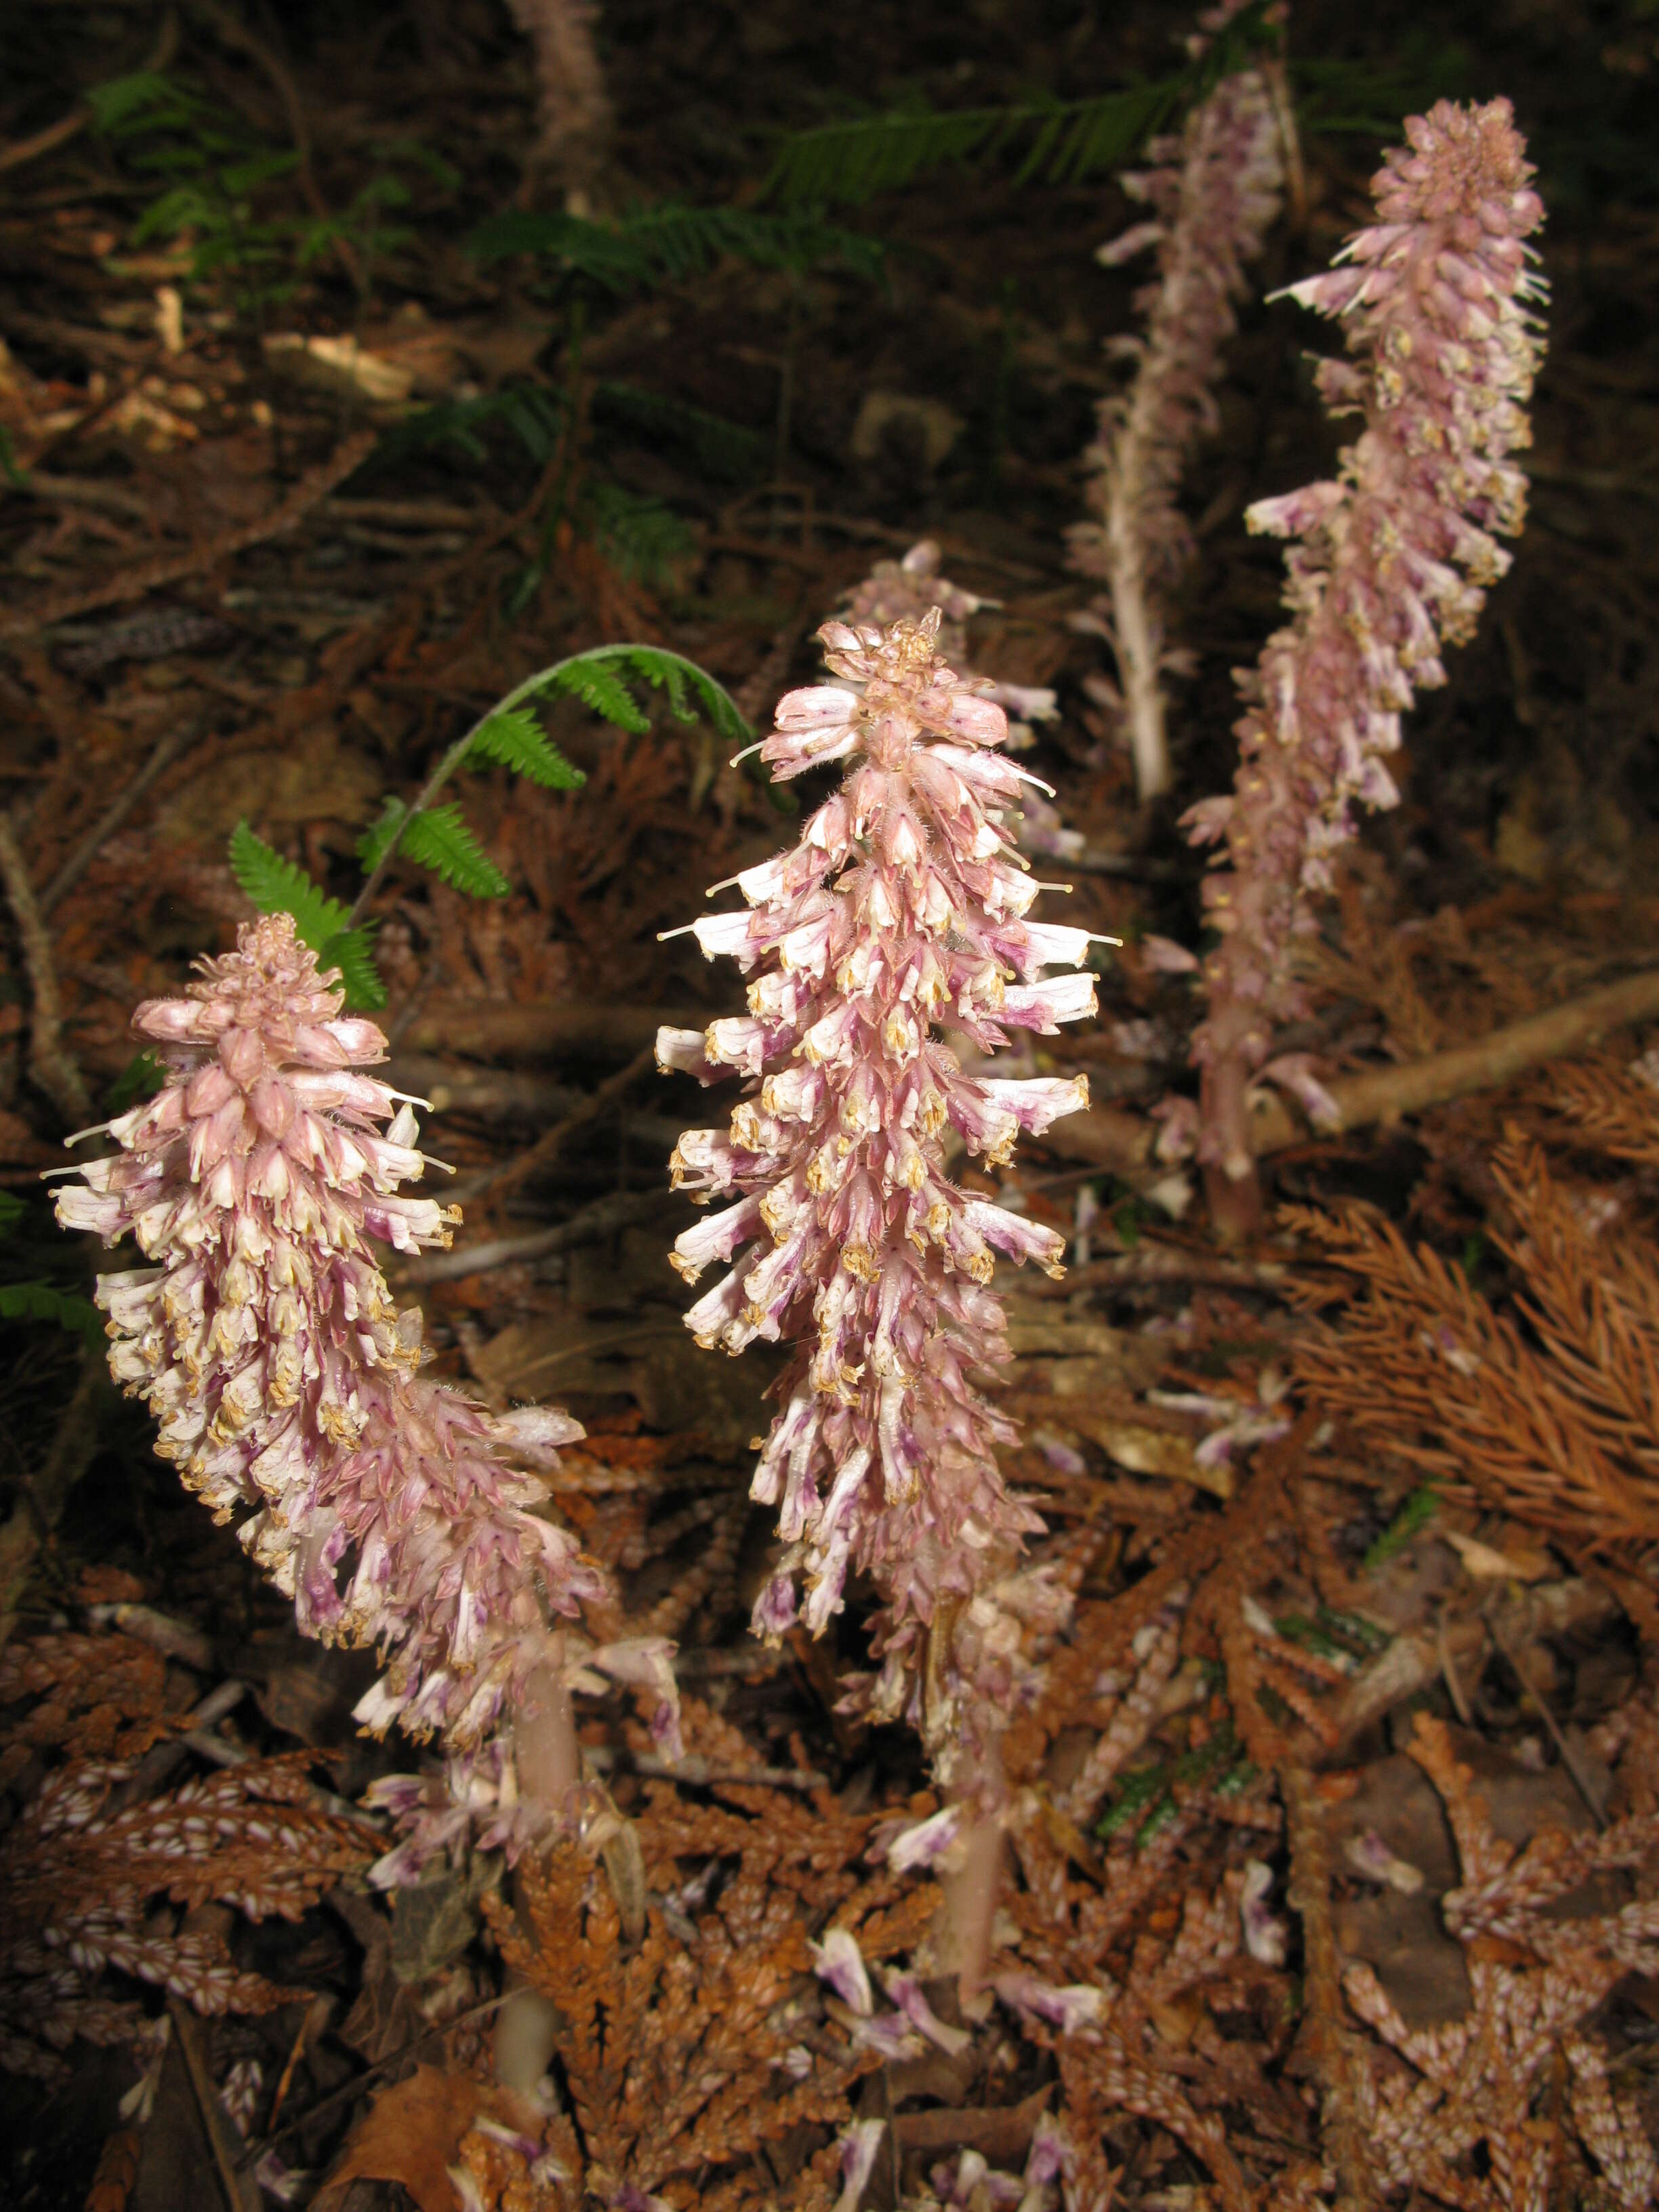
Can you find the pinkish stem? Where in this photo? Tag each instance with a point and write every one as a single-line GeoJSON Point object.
{"type": "Point", "coordinates": [548, 1761]}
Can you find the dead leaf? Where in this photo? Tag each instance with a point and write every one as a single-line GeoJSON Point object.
{"type": "Point", "coordinates": [411, 2134]}
{"type": "Point", "coordinates": [1514, 1564]}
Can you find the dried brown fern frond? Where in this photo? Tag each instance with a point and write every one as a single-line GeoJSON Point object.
{"type": "Point", "coordinates": [91, 1696]}
{"type": "Point", "coordinates": [1611, 1107]}
{"type": "Point", "coordinates": [679, 2055]}
{"type": "Point", "coordinates": [85, 1882]}
{"type": "Point", "coordinates": [1470, 2089]}
{"type": "Point", "coordinates": [1550, 1412]}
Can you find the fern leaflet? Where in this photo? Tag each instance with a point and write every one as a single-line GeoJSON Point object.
{"type": "Point", "coordinates": [42, 1302]}
{"type": "Point", "coordinates": [441, 838]}
{"type": "Point", "coordinates": [1065, 140]}
{"type": "Point", "coordinates": [279, 886]}
{"type": "Point", "coordinates": [514, 737]}
{"type": "Point", "coordinates": [657, 245]}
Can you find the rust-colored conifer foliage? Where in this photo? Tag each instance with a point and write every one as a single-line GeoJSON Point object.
{"type": "Point", "coordinates": [1548, 1410]}
{"type": "Point", "coordinates": [86, 1877]}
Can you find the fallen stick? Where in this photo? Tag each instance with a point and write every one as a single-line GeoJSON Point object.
{"type": "Point", "coordinates": [1125, 1142]}
{"type": "Point", "coordinates": [1106, 1136]}
{"type": "Point", "coordinates": [172, 568]}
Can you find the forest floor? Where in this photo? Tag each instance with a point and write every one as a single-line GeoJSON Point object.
{"type": "Point", "coordinates": [1342, 1795]}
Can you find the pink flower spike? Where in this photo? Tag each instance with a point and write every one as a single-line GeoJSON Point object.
{"type": "Point", "coordinates": [1390, 563]}
{"type": "Point", "coordinates": [393, 1512]}
{"type": "Point", "coordinates": [901, 910]}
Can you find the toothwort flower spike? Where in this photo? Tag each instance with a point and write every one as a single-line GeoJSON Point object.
{"type": "Point", "coordinates": [1391, 560]}
{"type": "Point", "coordinates": [902, 907]}
{"type": "Point", "coordinates": [1213, 193]}
{"type": "Point", "coordinates": [263, 1336]}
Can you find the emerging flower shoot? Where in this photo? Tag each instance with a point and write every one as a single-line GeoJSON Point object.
{"type": "Point", "coordinates": [263, 1337]}
{"type": "Point", "coordinates": [901, 910]}
{"type": "Point", "coordinates": [1213, 194]}
{"type": "Point", "coordinates": [1390, 566]}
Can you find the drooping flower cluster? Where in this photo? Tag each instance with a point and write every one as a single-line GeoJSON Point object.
{"type": "Point", "coordinates": [901, 910]}
{"type": "Point", "coordinates": [1213, 192]}
{"type": "Point", "coordinates": [263, 1337]}
{"type": "Point", "coordinates": [1392, 558]}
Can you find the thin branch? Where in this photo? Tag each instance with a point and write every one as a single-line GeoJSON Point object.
{"type": "Point", "coordinates": [172, 568]}
{"type": "Point", "coordinates": [548, 1145]}
{"type": "Point", "coordinates": [52, 1068]}
{"type": "Point", "coordinates": [174, 742]}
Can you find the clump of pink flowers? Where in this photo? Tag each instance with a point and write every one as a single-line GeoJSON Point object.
{"type": "Point", "coordinates": [907, 591]}
{"type": "Point", "coordinates": [262, 1334]}
{"type": "Point", "coordinates": [901, 910]}
{"type": "Point", "coordinates": [1392, 559]}
{"type": "Point", "coordinates": [1213, 193]}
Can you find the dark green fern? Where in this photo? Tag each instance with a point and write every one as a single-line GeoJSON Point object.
{"type": "Point", "coordinates": [614, 681]}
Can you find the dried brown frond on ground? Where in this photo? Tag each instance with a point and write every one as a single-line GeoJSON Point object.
{"type": "Point", "coordinates": [93, 1697]}
{"type": "Point", "coordinates": [1537, 1971]}
{"type": "Point", "coordinates": [86, 1878]}
{"type": "Point", "coordinates": [1549, 1412]}
{"type": "Point", "coordinates": [695, 2050]}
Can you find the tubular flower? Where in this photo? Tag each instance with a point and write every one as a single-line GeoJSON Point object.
{"type": "Point", "coordinates": [263, 1338]}
{"type": "Point", "coordinates": [901, 908]}
{"type": "Point", "coordinates": [904, 590]}
{"type": "Point", "coordinates": [1391, 561]}
{"type": "Point", "coordinates": [1213, 194]}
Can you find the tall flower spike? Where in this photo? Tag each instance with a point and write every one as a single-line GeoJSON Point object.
{"type": "Point", "coordinates": [1213, 193]}
{"type": "Point", "coordinates": [902, 908]}
{"type": "Point", "coordinates": [1435, 298]}
{"type": "Point", "coordinates": [265, 1340]}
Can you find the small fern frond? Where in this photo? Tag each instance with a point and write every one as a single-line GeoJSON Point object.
{"type": "Point", "coordinates": [382, 833]}
{"type": "Point", "coordinates": [665, 244]}
{"type": "Point", "coordinates": [347, 949]}
{"type": "Point", "coordinates": [530, 411]}
{"type": "Point", "coordinates": [847, 163]}
{"type": "Point", "coordinates": [643, 539]}
{"type": "Point", "coordinates": [279, 886]}
{"type": "Point", "coordinates": [722, 448]}
{"type": "Point", "coordinates": [442, 839]}
{"type": "Point", "coordinates": [601, 679]}
{"type": "Point", "coordinates": [515, 738]}
{"type": "Point", "coordinates": [42, 1302]}
{"type": "Point", "coordinates": [12, 1210]}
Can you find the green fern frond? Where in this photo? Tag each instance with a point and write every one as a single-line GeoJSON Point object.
{"type": "Point", "coordinates": [347, 949]}
{"type": "Point", "coordinates": [601, 679]}
{"type": "Point", "coordinates": [442, 839]}
{"type": "Point", "coordinates": [515, 738]}
{"type": "Point", "coordinates": [530, 411]}
{"type": "Point", "coordinates": [665, 244]}
{"type": "Point", "coordinates": [12, 1210]}
{"type": "Point", "coordinates": [847, 163]}
{"type": "Point", "coordinates": [721, 448]}
{"type": "Point", "coordinates": [42, 1301]}
{"type": "Point", "coordinates": [382, 833]}
{"type": "Point", "coordinates": [643, 539]}
{"type": "Point", "coordinates": [279, 886]}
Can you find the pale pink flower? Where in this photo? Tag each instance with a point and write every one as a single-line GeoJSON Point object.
{"type": "Point", "coordinates": [902, 907]}
{"type": "Point", "coordinates": [904, 591]}
{"type": "Point", "coordinates": [1214, 192]}
{"type": "Point", "coordinates": [393, 1512]}
{"type": "Point", "coordinates": [1391, 563]}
